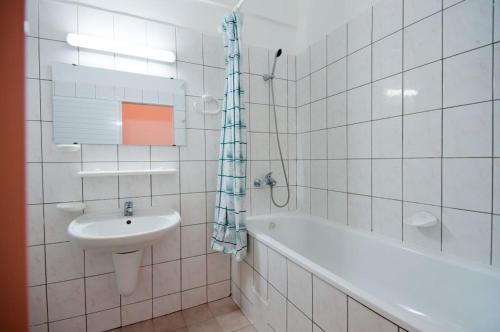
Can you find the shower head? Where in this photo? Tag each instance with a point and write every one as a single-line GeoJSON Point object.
{"type": "Point", "coordinates": [276, 56]}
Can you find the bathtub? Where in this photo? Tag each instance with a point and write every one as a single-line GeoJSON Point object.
{"type": "Point", "coordinates": [408, 289]}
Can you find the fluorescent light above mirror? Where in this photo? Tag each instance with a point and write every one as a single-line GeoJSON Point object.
{"type": "Point", "coordinates": [112, 46]}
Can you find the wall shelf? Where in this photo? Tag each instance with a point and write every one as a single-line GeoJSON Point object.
{"type": "Point", "coordinates": [87, 174]}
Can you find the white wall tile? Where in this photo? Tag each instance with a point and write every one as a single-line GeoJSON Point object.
{"type": "Point", "coordinates": [318, 84]}
{"type": "Point", "coordinates": [36, 263]}
{"type": "Point", "coordinates": [423, 88]}
{"type": "Point", "coordinates": [214, 82]}
{"type": "Point", "coordinates": [387, 178]}
{"type": "Point", "coordinates": [388, 217]}
{"type": "Point", "coordinates": [296, 320]}
{"type": "Point", "coordinates": [330, 306]}
{"type": "Point", "coordinates": [194, 297]}
{"type": "Point", "coordinates": [35, 224]}
{"type": "Point", "coordinates": [337, 44]}
{"type": "Point", "coordinates": [76, 324]}
{"type": "Point", "coordinates": [168, 249]}
{"type": "Point", "coordinates": [388, 56]}
{"type": "Point", "coordinates": [467, 183]}
{"type": "Point", "coordinates": [387, 138]}
{"type": "Point", "coordinates": [32, 99]}
{"type": "Point", "coordinates": [103, 320]}
{"type": "Point", "coordinates": [64, 262]}
{"type": "Point", "coordinates": [363, 319]}
{"type": "Point", "coordinates": [496, 185]}
{"type": "Point", "coordinates": [260, 258]}
{"type": "Point", "coordinates": [319, 203]}
{"type": "Point", "coordinates": [259, 90]}
{"type": "Point", "coordinates": [258, 60]}
{"type": "Point", "coordinates": [428, 239]}
{"type": "Point", "coordinates": [136, 312]}
{"type": "Point", "coordinates": [166, 278]}
{"type": "Point", "coordinates": [277, 310]}
{"type": "Point", "coordinates": [496, 241]}
{"type": "Point", "coordinates": [193, 240]}
{"type": "Point", "coordinates": [387, 18]}
{"type": "Point", "coordinates": [33, 141]}
{"type": "Point", "coordinates": [31, 17]}
{"type": "Point", "coordinates": [359, 140]}
{"type": "Point", "coordinates": [359, 211]}
{"type": "Point", "coordinates": [467, 77]}
{"type": "Point", "coordinates": [318, 144]}
{"type": "Point", "coordinates": [359, 103]}
{"type": "Point", "coordinates": [422, 42]}
{"type": "Point", "coordinates": [318, 54]}
{"type": "Point", "coordinates": [189, 45]}
{"type": "Point", "coordinates": [359, 31]}
{"type": "Point", "coordinates": [422, 180]}
{"type": "Point", "coordinates": [387, 100]}
{"type": "Point", "coordinates": [337, 175]}
{"type": "Point", "coordinates": [65, 299]}
{"type": "Point", "coordinates": [213, 51]}
{"type": "Point", "coordinates": [55, 51]}
{"type": "Point", "coordinates": [415, 10]}
{"type": "Point", "coordinates": [337, 144]}
{"type": "Point", "coordinates": [193, 209]}
{"type": "Point", "coordinates": [359, 68]}
{"type": "Point", "coordinates": [34, 183]}
{"type": "Point", "coordinates": [303, 91]}
{"type": "Point", "coordinates": [31, 57]}
{"type": "Point", "coordinates": [277, 271]}
{"type": "Point", "coordinates": [303, 63]}
{"type": "Point", "coordinates": [336, 110]}
{"type": "Point", "coordinates": [95, 22]}
{"type": "Point", "coordinates": [467, 131]}
{"type": "Point", "coordinates": [359, 176]}
{"type": "Point", "coordinates": [57, 19]}
{"type": "Point", "coordinates": [422, 135]}
{"type": "Point", "coordinates": [192, 176]}
{"type": "Point", "coordinates": [336, 77]}
{"type": "Point", "coordinates": [496, 70]}
{"type": "Point", "coordinates": [466, 26]}
{"type": "Point", "coordinates": [337, 207]}
{"type": "Point", "coordinates": [101, 293]}
{"type": "Point", "coordinates": [467, 234]}
{"type": "Point", "coordinates": [300, 288]}
{"type": "Point", "coordinates": [194, 272]}
{"type": "Point", "coordinates": [319, 174]}
{"type": "Point", "coordinates": [37, 304]}
{"type": "Point", "coordinates": [193, 75]}
{"type": "Point", "coordinates": [218, 267]}
{"type": "Point", "coordinates": [56, 173]}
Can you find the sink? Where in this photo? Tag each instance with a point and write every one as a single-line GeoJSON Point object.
{"type": "Point", "coordinates": [124, 237]}
{"type": "Point", "coordinates": [116, 233]}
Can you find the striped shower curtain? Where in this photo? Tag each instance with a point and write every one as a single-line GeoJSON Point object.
{"type": "Point", "coordinates": [230, 234]}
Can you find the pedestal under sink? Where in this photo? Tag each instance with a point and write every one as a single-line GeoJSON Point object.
{"type": "Point", "coordinates": [125, 237]}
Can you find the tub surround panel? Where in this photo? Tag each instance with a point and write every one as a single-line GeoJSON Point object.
{"type": "Point", "coordinates": [72, 290]}
{"type": "Point", "coordinates": [412, 122]}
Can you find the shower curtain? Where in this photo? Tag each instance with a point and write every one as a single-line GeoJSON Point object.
{"type": "Point", "coordinates": [230, 234]}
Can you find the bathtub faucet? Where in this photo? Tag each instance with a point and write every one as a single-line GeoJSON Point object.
{"type": "Point", "coordinates": [270, 181]}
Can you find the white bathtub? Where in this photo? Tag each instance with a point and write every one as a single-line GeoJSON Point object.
{"type": "Point", "coordinates": [417, 292]}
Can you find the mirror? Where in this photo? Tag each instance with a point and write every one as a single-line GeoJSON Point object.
{"type": "Point", "coordinates": [100, 106]}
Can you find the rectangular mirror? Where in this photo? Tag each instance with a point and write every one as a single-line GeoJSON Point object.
{"type": "Point", "coordinates": [100, 106]}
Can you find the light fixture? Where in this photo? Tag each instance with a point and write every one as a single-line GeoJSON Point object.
{"type": "Point", "coordinates": [112, 46]}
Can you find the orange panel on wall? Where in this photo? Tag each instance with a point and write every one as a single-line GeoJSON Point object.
{"type": "Point", "coordinates": [147, 124]}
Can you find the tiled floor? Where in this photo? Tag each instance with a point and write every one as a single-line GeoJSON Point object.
{"type": "Point", "coordinates": [218, 316]}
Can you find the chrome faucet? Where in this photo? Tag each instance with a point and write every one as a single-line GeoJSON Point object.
{"type": "Point", "coordinates": [270, 181]}
{"type": "Point", "coordinates": [128, 210]}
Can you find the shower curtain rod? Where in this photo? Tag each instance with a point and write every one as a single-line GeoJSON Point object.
{"type": "Point", "coordinates": [238, 5]}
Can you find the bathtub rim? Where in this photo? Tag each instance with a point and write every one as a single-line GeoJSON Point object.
{"type": "Point", "coordinates": [396, 315]}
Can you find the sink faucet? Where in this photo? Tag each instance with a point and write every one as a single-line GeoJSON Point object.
{"type": "Point", "coordinates": [128, 210]}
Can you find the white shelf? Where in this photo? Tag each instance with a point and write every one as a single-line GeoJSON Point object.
{"type": "Point", "coordinates": [86, 174]}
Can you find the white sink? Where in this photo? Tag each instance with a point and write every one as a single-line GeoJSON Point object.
{"type": "Point", "coordinates": [116, 233]}
{"type": "Point", "coordinates": [124, 237]}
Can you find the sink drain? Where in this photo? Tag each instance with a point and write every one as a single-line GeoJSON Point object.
{"type": "Point", "coordinates": [129, 222]}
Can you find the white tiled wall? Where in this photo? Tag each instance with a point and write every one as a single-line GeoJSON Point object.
{"type": "Point", "coordinates": [72, 290]}
{"type": "Point", "coordinates": [285, 297]}
{"type": "Point", "coordinates": [410, 123]}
